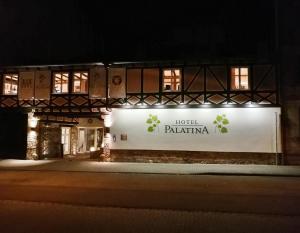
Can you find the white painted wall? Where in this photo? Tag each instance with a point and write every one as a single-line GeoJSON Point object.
{"type": "Point", "coordinates": [249, 130]}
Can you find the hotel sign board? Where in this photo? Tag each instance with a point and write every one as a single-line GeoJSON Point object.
{"type": "Point", "coordinates": [204, 129]}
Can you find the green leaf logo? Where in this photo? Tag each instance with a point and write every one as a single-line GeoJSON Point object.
{"type": "Point", "coordinates": [220, 122]}
{"type": "Point", "coordinates": [150, 129]}
{"type": "Point", "coordinates": [225, 122]}
{"type": "Point", "coordinates": [152, 122]}
{"type": "Point", "coordinates": [224, 130]}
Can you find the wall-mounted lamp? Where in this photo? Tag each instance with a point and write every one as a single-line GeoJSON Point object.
{"type": "Point", "coordinates": [32, 120]}
{"type": "Point", "coordinates": [107, 120]}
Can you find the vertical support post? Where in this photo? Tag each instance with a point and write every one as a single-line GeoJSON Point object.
{"type": "Point", "coordinates": [204, 83]}
{"type": "Point", "coordinates": [106, 86]}
{"type": "Point", "coordinates": [107, 135]}
{"type": "Point", "coordinates": [228, 80]}
{"type": "Point", "coordinates": [251, 77]}
{"type": "Point", "coordinates": [125, 100]}
{"type": "Point", "coordinates": [160, 80]}
{"type": "Point", "coordinates": [182, 85]}
{"type": "Point", "coordinates": [32, 139]}
{"type": "Point", "coordinates": [142, 86]}
{"type": "Point", "coordinates": [70, 88]}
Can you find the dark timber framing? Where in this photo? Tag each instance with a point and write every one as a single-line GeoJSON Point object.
{"type": "Point", "coordinates": [74, 104]}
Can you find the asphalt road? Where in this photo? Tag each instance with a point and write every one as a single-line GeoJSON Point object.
{"type": "Point", "coordinates": [95, 202]}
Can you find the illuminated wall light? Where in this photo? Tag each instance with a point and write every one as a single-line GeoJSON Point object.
{"type": "Point", "coordinates": [32, 121]}
{"type": "Point", "coordinates": [107, 120]}
{"type": "Point", "coordinates": [252, 104]}
{"type": "Point", "coordinates": [32, 135]}
{"type": "Point", "coordinates": [229, 102]}
{"type": "Point", "coordinates": [206, 104]}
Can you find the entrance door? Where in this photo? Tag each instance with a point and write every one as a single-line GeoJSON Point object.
{"type": "Point", "coordinates": [65, 140]}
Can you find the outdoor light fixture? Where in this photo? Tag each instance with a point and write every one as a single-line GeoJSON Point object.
{"type": "Point", "coordinates": [252, 104]}
{"type": "Point", "coordinates": [107, 120]}
{"type": "Point", "coordinates": [32, 120]}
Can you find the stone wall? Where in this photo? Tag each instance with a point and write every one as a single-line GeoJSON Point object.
{"type": "Point", "coordinates": [49, 142]}
{"type": "Point", "coordinates": [160, 156]}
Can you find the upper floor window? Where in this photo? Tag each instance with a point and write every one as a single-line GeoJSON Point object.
{"type": "Point", "coordinates": [80, 82]}
{"type": "Point", "coordinates": [10, 84]}
{"type": "Point", "coordinates": [171, 79]}
{"type": "Point", "coordinates": [61, 82]}
{"type": "Point", "coordinates": [239, 78]}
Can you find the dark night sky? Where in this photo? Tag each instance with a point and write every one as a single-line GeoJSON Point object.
{"type": "Point", "coordinates": [50, 32]}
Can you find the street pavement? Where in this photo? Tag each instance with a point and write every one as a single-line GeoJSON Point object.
{"type": "Point", "coordinates": [148, 168]}
{"type": "Point", "coordinates": [24, 217]}
{"type": "Point", "coordinates": [72, 196]}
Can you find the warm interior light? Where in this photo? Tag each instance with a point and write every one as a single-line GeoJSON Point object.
{"type": "Point", "coordinates": [107, 120]}
{"type": "Point", "coordinates": [32, 120]}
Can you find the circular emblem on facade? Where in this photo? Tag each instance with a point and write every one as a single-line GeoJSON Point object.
{"type": "Point", "coordinates": [117, 80]}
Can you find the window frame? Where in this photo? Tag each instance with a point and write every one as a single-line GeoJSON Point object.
{"type": "Point", "coordinates": [239, 75]}
{"type": "Point", "coordinates": [53, 82]}
{"type": "Point", "coordinates": [4, 82]}
{"type": "Point", "coordinates": [179, 83]}
{"type": "Point", "coordinates": [87, 81]}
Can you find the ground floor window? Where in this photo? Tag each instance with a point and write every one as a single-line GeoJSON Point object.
{"type": "Point", "coordinates": [65, 140]}
{"type": "Point", "coordinates": [89, 139]}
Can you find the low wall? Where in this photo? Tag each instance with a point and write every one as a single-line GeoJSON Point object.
{"type": "Point", "coordinates": [163, 156]}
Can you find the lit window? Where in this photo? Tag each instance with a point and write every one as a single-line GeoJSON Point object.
{"type": "Point", "coordinates": [61, 82]}
{"type": "Point", "coordinates": [171, 80]}
{"type": "Point", "coordinates": [239, 78]}
{"type": "Point", "coordinates": [10, 86]}
{"type": "Point", "coordinates": [80, 82]}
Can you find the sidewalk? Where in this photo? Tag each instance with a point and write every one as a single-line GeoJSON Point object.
{"type": "Point", "coordinates": [148, 168]}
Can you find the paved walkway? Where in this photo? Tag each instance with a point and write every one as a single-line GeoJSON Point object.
{"type": "Point", "coordinates": [148, 168]}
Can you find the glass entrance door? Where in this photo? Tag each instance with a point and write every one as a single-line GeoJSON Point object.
{"type": "Point", "coordinates": [65, 140]}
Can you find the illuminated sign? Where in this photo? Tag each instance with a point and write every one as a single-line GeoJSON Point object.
{"type": "Point", "coordinates": [213, 129]}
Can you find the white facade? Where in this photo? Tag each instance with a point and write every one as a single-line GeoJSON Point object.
{"type": "Point", "coordinates": [203, 129]}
